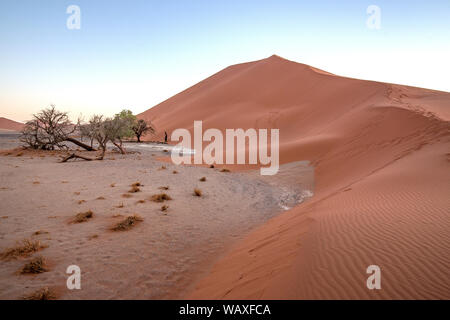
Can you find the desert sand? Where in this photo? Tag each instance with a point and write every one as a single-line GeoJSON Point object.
{"type": "Point", "coordinates": [162, 256]}
{"type": "Point", "coordinates": [381, 154]}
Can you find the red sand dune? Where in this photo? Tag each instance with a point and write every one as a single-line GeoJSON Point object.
{"type": "Point", "coordinates": [382, 158]}
{"type": "Point", "coordinates": [7, 124]}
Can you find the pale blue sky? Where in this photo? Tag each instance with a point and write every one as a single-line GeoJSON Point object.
{"type": "Point", "coordinates": [135, 54]}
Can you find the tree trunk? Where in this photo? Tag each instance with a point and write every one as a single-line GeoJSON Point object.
{"type": "Point", "coordinates": [73, 156]}
{"type": "Point", "coordinates": [138, 137]}
{"type": "Point", "coordinates": [80, 144]}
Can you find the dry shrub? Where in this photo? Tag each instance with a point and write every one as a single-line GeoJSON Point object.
{"type": "Point", "coordinates": [174, 171]}
{"type": "Point", "coordinates": [19, 154]}
{"type": "Point", "coordinates": [140, 201]}
{"type": "Point", "coordinates": [162, 168]}
{"type": "Point", "coordinates": [77, 193]}
{"type": "Point", "coordinates": [120, 205]}
{"type": "Point", "coordinates": [100, 198]}
{"type": "Point", "coordinates": [83, 216]}
{"type": "Point", "coordinates": [164, 188]}
{"type": "Point", "coordinates": [41, 294]}
{"type": "Point", "coordinates": [164, 208]}
{"type": "Point", "coordinates": [126, 195]}
{"type": "Point", "coordinates": [160, 197]}
{"type": "Point", "coordinates": [136, 184]}
{"type": "Point", "coordinates": [81, 201]}
{"type": "Point", "coordinates": [203, 179]}
{"type": "Point", "coordinates": [40, 232]}
{"type": "Point", "coordinates": [24, 249]}
{"type": "Point", "coordinates": [64, 181]}
{"type": "Point", "coordinates": [36, 182]}
{"type": "Point", "coordinates": [112, 185]}
{"type": "Point", "coordinates": [197, 192]}
{"type": "Point", "coordinates": [37, 265]}
{"type": "Point", "coordinates": [225, 170]}
{"type": "Point", "coordinates": [94, 236]}
{"type": "Point", "coordinates": [211, 166]}
{"type": "Point", "coordinates": [134, 189]}
{"type": "Point", "coordinates": [128, 223]}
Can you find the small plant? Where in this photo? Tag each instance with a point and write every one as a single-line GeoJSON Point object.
{"type": "Point", "coordinates": [134, 189]}
{"type": "Point", "coordinates": [120, 205]}
{"type": "Point", "coordinates": [112, 185]}
{"type": "Point", "coordinates": [140, 201]}
{"type": "Point", "coordinates": [36, 182]}
{"type": "Point", "coordinates": [100, 198]}
{"type": "Point", "coordinates": [174, 171]}
{"type": "Point", "coordinates": [81, 201]}
{"type": "Point", "coordinates": [136, 184]}
{"type": "Point", "coordinates": [164, 208]}
{"type": "Point", "coordinates": [163, 168]}
{"type": "Point", "coordinates": [126, 195]}
{"type": "Point", "coordinates": [94, 236]}
{"type": "Point", "coordinates": [19, 154]}
{"type": "Point", "coordinates": [160, 197]}
{"type": "Point", "coordinates": [164, 188]}
{"type": "Point", "coordinates": [36, 233]}
{"type": "Point", "coordinates": [211, 166]}
{"type": "Point", "coordinates": [128, 223]}
{"type": "Point", "coordinates": [197, 192]}
{"type": "Point", "coordinates": [77, 193]}
{"type": "Point", "coordinates": [42, 294]}
{"type": "Point", "coordinates": [203, 179]}
{"type": "Point", "coordinates": [83, 216]}
{"type": "Point", "coordinates": [37, 265]}
{"type": "Point", "coordinates": [26, 248]}
{"type": "Point", "coordinates": [225, 170]}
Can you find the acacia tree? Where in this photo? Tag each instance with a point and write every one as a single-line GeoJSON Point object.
{"type": "Point", "coordinates": [141, 127]}
{"type": "Point", "coordinates": [49, 129]}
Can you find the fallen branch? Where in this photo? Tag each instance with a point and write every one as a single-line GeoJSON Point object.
{"type": "Point", "coordinates": [80, 144]}
{"type": "Point", "coordinates": [76, 156]}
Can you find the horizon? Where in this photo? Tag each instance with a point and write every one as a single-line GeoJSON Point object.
{"type": "Point", "coordinates": [135, 56]}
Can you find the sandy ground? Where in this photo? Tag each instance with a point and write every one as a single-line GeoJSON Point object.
{"type": "Point", "coordinates": [381, 154]}
{"type": "Point", "coordinates": [159, 258]}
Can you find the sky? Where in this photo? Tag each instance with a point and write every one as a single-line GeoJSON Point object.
{"type": "Point", "coordinates": [135, 54]}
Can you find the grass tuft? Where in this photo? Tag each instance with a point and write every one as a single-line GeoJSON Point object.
{"type": "Point", "coordinates": [37, 265]}
{"type": "Point", "coordinates": [83, 216]}
{"type": "Point", "coordinates": [42, 294]}
{"type": "Point", "coordinates": [128, 223]}
{"type": "Point", "coordinates": [134, 189]}
{"type": "Point", "coordinates": [160, 197]}
{"type": "Point", "coordinates": [24, 249]}
{"type": "Point", "coordinates": [197, 192]}
{"type": "Point", "coordinates": [126, 195]}
{"type": "Point", "coordinates": [164, 207]}
{"type": "Point", "coordinates": [225, 170]}
{"type": "Point", "coordinates": [203, 179]}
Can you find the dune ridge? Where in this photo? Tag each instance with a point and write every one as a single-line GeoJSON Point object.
{"type": "Point", "coordinates": [381, 153]}
{"type": "Point", "coordinates": [7, 124]}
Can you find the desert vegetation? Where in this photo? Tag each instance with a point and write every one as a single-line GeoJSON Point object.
{"type": "Point", "coordinates": [24, 249]}
{"type": "Point", "coordinates": [128, 223]}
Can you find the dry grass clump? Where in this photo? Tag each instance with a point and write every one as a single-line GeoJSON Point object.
{"type": "Point", "coordinates": [42, 294]}
{"type": "Point", "coordinates": [164, 188]}
{"type": "Point", "coordinates": [120, 205]}
{"type": "Point", "coordinates": [36, 182]}
{"type": "Point", "coordinates": [134, 189]}
{"type": "Point", "coordinates": [137, 184]}
{"type": "Point", "coordinates": [160, 197]}
{"type": "Point", "coordinates": [128, 223]}
{"type": "Point", "coordinates": [203, 179]}
{"type": "Point", "coordinates": [24, 249]}
{"type": "Point", "coordinates": [83, 216]}
{"type": "Point", "coordinates": [40, 232]}
{"type": "Point", "coordinates": [174, 171]}
{"type": "Point", "coordinates": [77, 193]}
{"type": "Point", "coordinates": [140, 201]}
{"type": "Point", "coordinates": [211, 166]}
{"type": "Point", "coordinates": [112, 185]}
{"type": "Point", "coordinates": [126, 195]}
{"type": "Point", "coordinates": [100, 198]}
{"type": "Point", "coordinates": [164, 208]}
{"type": "Point", "coordinates": [37, 265]}
{"type": "Point", "coordinates": [225, 170]}
{"type": "Point", "coordinates": [94, 236]}
{"type": "Point", "coordinates": [163, 168]}
{"type": "Point", "coordinates": [81, 201]}
{"type": "Point", "coordinates": [197, 192]}
{"type": "Point", "coordinates": [19, 154]}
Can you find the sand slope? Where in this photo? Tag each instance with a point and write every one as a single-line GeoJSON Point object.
{"type": "Point", "coordinates": [7, 124]}
{"type": "Point", "coordinates": [381, 153]}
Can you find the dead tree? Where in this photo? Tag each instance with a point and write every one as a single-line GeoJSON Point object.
{"type": "Point", "coordinates": [50, 129]}
{"type": "Point", "coordinates": [141, 127]}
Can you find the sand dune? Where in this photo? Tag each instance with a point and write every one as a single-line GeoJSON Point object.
{"type": "Point", "coordinates": [6, 124]}
{"type": "Point", "coordinates": [381, 153]}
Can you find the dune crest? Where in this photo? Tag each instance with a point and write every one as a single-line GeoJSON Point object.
{"type": "Point", "coordinates": [381, 153]}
